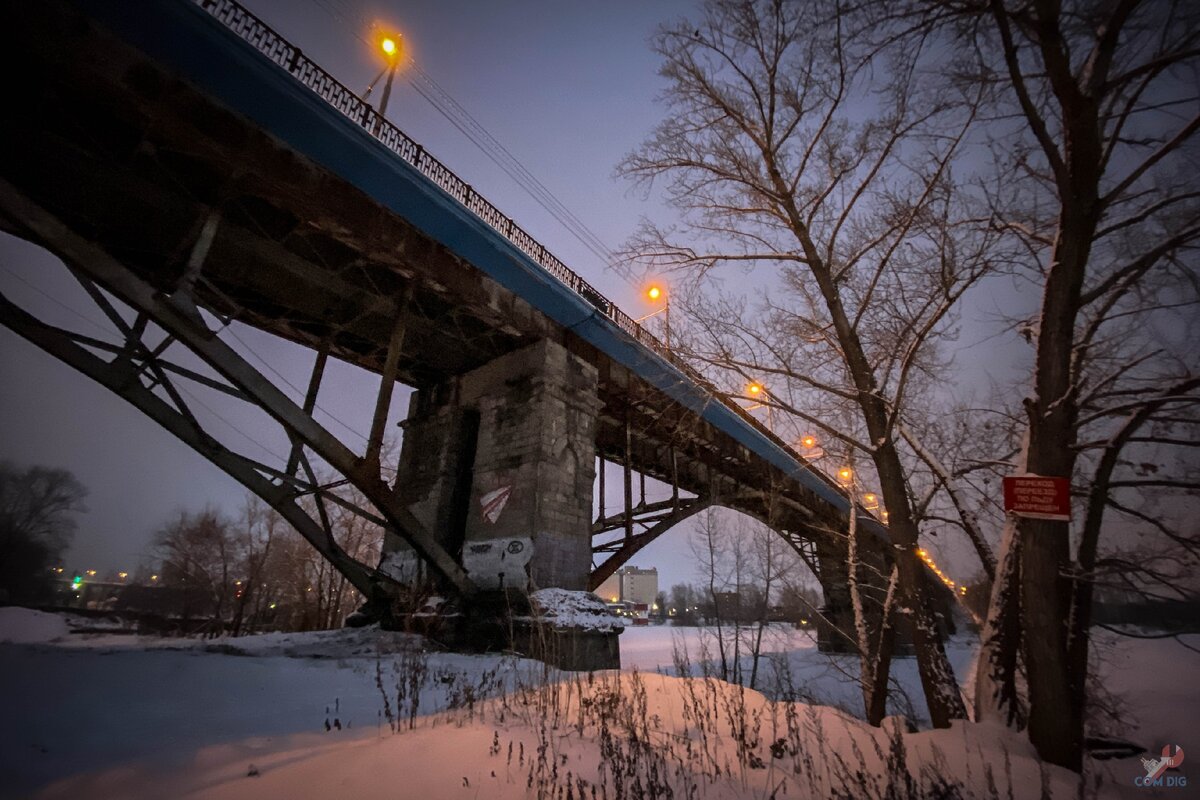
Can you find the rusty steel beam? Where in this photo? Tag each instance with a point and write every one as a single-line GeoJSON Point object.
{"type": "Point", "coordinates": [387, 383]}
{"type": "Point", "coordinates": [632, 544]}
{"type": "Point", "coordinates": [310, 403]}
{"type": "Point", "coordinates": [179, 317]}
{"type": "Point", "coordinates": [116, 376]}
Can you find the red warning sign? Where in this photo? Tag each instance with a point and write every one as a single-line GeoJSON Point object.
{"type": "Point", "coordinates": [1038, 496]}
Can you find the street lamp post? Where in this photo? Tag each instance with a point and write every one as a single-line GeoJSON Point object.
{"type": "Point", "coordinates": [655, 293]}
{"type": "Point", "coordinates": [757, 391]}
{"type": "Point", "coordinates": [389, 45]}
{"type": "Point", "coordinates": [810, 447]}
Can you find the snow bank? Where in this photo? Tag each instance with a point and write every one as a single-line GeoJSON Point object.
{"type": "Point", "coordinates": [26, 626]}
{"type": "Point", "coordinates": [622, 734]}
{"type": "Point", "coordinates": [566, 609]}
{"type": "Point", "coordinates": [83, 717]}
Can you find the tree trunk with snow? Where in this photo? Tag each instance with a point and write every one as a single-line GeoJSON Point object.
{"type": "Point", "coordinates": [1093, 190]}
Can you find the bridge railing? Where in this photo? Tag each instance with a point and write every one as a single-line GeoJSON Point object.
{"type": "Point", "coordinates": [263, 38]}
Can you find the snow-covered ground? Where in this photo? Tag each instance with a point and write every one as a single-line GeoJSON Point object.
{"type": "Point", "coordinates": [111, 715]}
{"type": "Point", "coordinates": [791, 662]}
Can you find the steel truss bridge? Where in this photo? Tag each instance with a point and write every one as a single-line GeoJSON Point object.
{"type": "Point", "coordinates": [180, 156]}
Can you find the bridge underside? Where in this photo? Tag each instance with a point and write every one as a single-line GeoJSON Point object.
{"type": "Point", "coordinates": [162, 201]}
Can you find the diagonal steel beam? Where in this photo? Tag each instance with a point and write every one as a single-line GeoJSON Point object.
{"type": "Point", "coordinates": [109, 374]}
{"type": "Point", "coordinates": [387, 382]}
{"type": "Point", "coordinates": [632, 545]}
{"type": "Point", "coordinates": [179, 317]}
{"type": "Point", "coordinates": [618, 521]}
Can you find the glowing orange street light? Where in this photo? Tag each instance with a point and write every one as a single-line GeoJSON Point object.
{"type": "Point", "coordinates": [871, 501]}
{"type": "Point", "coordinates": [654, 293]}
{"type": "Point", "coordinates": [845, 475]}
{"type": "Point", "coordinates": [390, 44]}
{"type": "Point", "coordinates": [810, 447]}
{"type": "Point", "coordinates": [756, 391]}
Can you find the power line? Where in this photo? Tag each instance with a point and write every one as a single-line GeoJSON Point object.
{"type": "Point", "coordinates": [462, 119]}
{"type": "Point", "coordinates": [102, 328]}
{"type": "Point", "coordinates": [299, 392]}
{"type": "Point", "coordinates": [454, 112]}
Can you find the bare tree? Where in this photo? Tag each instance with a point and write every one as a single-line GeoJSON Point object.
{"type": "Point", "coordinates": [771, 558]}
{"type": "Point", "coordinates": [37, 508]}
{"type": "Point", "coordinates": [199, 557]}
{"type": "Point", "coordinates": [720, 559]}
{"type": "Point", "coordinates": [1095, 144]}
{"type": "Point", "coordinates": [310, 593]}
{"type": "Point", "coordinates": [743, 564]}
{"type": "Point", "coordinates": [790, 145]}
{"type": "Point", "coordinates": [682, 604]}
{"type": "Point", "coordinates": [260, 528]}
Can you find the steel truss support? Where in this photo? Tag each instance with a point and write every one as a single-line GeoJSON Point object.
{"type": "Point", "coordinates": [806, 548]}
{"type": "Point", "coordinates": [625, 548]}
{"type": "Point", "coordinates": [638, 523]}
{"type": "Point", "coordinates": [136, 370]}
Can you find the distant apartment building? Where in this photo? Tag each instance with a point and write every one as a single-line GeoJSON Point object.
{"type": "Point", "coordinates": [639, 586]}
{"type": "Point", "coordinates": [632, 585]}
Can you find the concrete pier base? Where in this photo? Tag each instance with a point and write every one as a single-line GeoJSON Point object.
{"type": "Point", "coordinates": [507, 621]}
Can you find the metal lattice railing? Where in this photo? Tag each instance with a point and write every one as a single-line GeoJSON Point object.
{"type": "Point", "coordinates": [253, 30]}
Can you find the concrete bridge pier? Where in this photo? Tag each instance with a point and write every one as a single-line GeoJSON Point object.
{"type": "Point", "coordinates": [835, 627]}
{"type": "Point", "coordinates": [498, 464]}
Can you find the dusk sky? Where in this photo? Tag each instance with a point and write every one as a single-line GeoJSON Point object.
{"type": "Point", "coordinates": [567, 88]}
